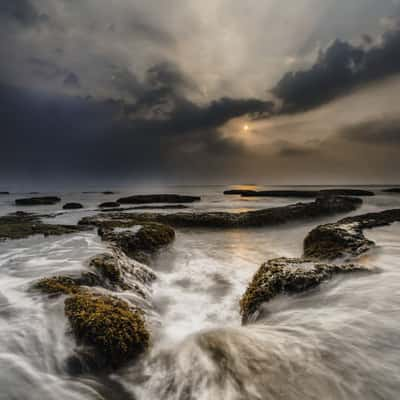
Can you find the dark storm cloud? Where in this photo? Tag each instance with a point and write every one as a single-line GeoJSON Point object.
{"type": "Point", "coordinates": [382, 131]}
{"type": "Point", "coordinates": [72, 80]}
{"type": "Point", "coordinates": [341, 68]}
{"type": "Point", "coordinates": [21, 11]}
{"type": "Point", "coordinates": [43, 134]}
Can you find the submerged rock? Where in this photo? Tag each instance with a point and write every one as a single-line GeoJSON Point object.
{"type": "Point", "coordinates": [322, 206]}
{"type": "Point", "coordinates": [72, 206]}
{"type": "Point", "coordinates": [158, 198]}
{"type": "Point", "coordinates": [287, 276]}
{"type": "Point", "coordinates": [345, 238]}
{"type": "Point", "coordinates": [37, 201]}
{"type": "Point", "coordinates": [21, 225]}
{"type": "Point", "coordinates": [115, 332]}
{"type": "Point", "coordinates": [109, 204]}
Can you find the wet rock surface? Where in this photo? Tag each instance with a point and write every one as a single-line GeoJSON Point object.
{"type": "Point", "coordinates": [141, 243]}
{"type": "Point", "coordinates": [391, 190]}
{"type": "Point", "coordinates": [72, 206]}
{"type": "Point", "coordinates": [345, 238]}
{"type": "Point", "coordinates": [287, 276]}
{"type": "Point", "coordinates": [109, 204]}
{"type": "Point", "coordinates": [22, 225]}
{"type": "Point", "coordinates": [284, 193]}
{"type": "Point", "coordinates": [37, 201]}
{"type": "Point", "coordinates": [347, 192]}
{"type": "Point", "coordinates": [323, 206]}
{"type": "Point", "coordinates": [158, 198]}
{"type": "Point", "coordinates": [239, 192]}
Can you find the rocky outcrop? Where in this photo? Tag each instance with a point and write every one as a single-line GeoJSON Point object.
{"type": "Point", "coordinates": [301, 193]}
{"type": "Point", "coordinates": [239, 192]}
{"type": "Point", "coordinates": [72, 206]}
{"type": "Point", "coordinates": [37, 201]}
{"type": "Point", "coordinates": [108, 326]}
{"type": "Point", "coordinates": [111, 330]}
{"type": "Point", "coordinates": [391, 190]}
{"type": "Point", "coordinates": [109, 204]}
{"type": "Point", "coordinates": [141, 242]}
{"type": "Point", "coordinates": [347, 192]}
{"type": "Point", "coordinates": [286, 276]}
{"type": "Point", "coordinates": [345, 238]}
{"type": "Point", "coordinates": [322, 206]}
{"type": "Point", "coordinates": [158, 198]}
{"type": "Point", "coordinates": [284, 193]}
{"type": "Point", "coordinates": [21, 225]}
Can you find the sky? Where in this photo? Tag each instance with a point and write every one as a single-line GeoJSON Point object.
{"type": "Point", "coordinates": [189, 91]}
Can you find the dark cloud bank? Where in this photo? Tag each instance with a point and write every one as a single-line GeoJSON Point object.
{"type": "Point", "coordinates": [155, 128]}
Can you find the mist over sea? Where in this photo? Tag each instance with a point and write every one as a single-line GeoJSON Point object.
{"type": "Point", "coordinates": [337, 342]}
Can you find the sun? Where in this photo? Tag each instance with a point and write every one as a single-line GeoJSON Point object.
{"type": "Point", "coordinates": [246, 127]}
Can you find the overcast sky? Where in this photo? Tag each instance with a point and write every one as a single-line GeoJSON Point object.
{"type": "Point", "coordinates": [180, 91]}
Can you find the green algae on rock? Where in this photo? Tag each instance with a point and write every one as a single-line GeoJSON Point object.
{"type": "Point", "coordinates": [109, 326]}
{"type": "Point", "coordinates": [141, 243]}
{"type": "Point", "coordinates": [22, 225]}
{"type": "Point", "coordinates": [287, 276]}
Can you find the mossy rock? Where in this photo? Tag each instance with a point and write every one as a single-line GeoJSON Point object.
{"type": "Point", "coordinates": [116, 333]}
{"type": "Point", "coordinates": [287, 276]}
{"type": "Point", "coordinates": [148, 239]}
{"type": "Point", "coordinates": [22, 225]}
{"type": "Point", "coordinates": [58, 285]}
{"type": "Point", "coordinates": [107, 266]}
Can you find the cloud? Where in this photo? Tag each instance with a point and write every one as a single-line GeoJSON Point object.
{"type": "Point", "coordinates": [381, 131]}
{"type": "Point", "coordinates": [21, 11]}
{"type": "Point", "coordinates": [341, 68]}
{"type": "Point", "coordinates": [287, 149]}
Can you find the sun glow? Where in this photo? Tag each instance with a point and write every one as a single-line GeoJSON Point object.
{"type": "Point", "coordinates": [246, 127]}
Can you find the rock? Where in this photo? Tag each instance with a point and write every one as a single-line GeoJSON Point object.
{"type": "Point", "coordinates": [21, 225]}
{"type": "Point", "coordinates": [37, 201]}
{"type": "Point", "coordinates": [392, 190]}
{"type": "Point", "coordinates": [322, 206]}
{"type": "Point", "coordinates": [117, 271]}
{"type": "Point", "coordinates": [286, 276]}
{"type": "Point", "coordinates": [168, 207]}
{"type": "Point", "coordinates": [347, 192]}
{"type": "Point", "coordinates": [109, 204]}
{"type": "Point", "coordinates": [138, 244]}
{"type": "Point", "coordinates": [108, 192]}
{"type": "Point", "coordinates": [72, 206]}
{"type": "Point", "coordinates": [57, 285]}
{"type": "Point", "coordinates": [345, 238]}
{"type": "Point", "coordinates": [4, 193]}
{"type": "Point", "coordinates": [240, 192]}
{"type": "Point", "coordinates": [158, 198]}
{"type": "Point", "coordinates": [107, 325]}
{"type": "Point", "coordinates": [284, 193]}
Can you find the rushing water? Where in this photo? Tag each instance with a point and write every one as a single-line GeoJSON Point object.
{"type": "Point", "coordinates": [340, 341]}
